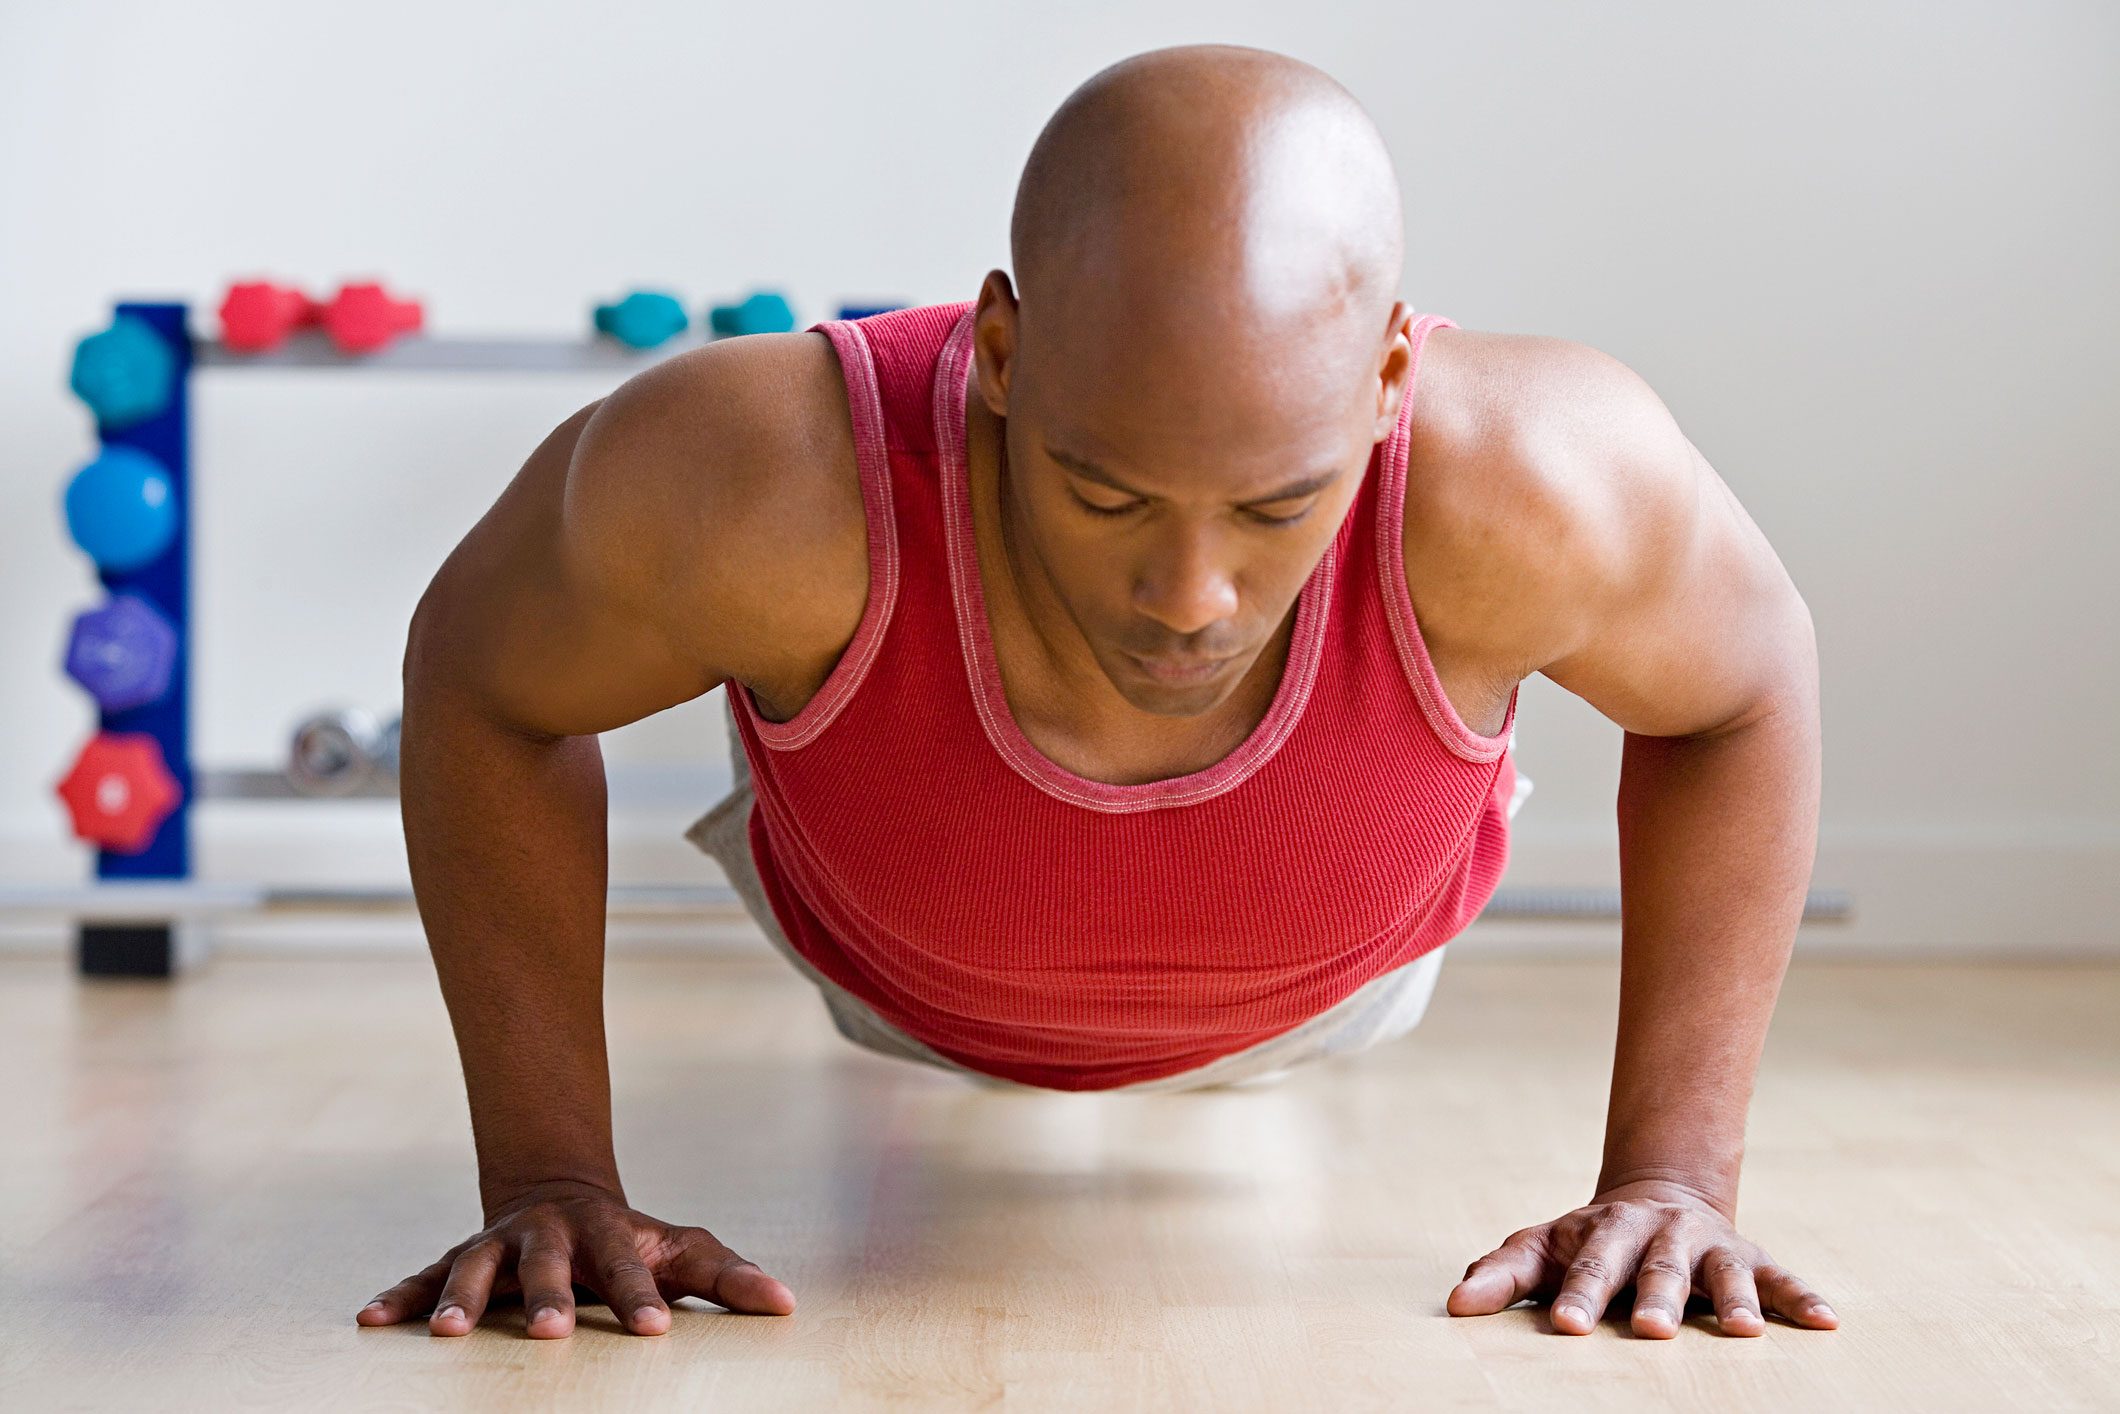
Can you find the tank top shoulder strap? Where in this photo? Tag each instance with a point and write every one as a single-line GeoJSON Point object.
{"type": "Point", "coordinates": [887, 363]}
{"type": "Point", "coordinates": [1412, 649]}
{"type": "Point", "coordinates": [897, 351]}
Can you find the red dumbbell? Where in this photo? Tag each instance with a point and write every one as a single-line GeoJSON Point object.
{"type": "Point", "coordinates": [120, 791]}
{"type": "Point", "coordinates": [362, 317]}
{"type": "Point", "coordinates": [257, 315]}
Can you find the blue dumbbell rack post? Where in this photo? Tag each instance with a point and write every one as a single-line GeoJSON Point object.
{"type": "Point", "coordinates": [137, 948]}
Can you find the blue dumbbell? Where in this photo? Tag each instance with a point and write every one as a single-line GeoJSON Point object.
{"type": "Point", "coordinates": [863, 311]}
{"type": "Point", "coordinates": [642, 319]}
{"type": "Point", "coordinates": [123, 652]}
{"type": "Point", "coordinates": [764, 312]}
{"type": "Point", "coordinates": [125, 374]}
{"type": "Point", "coordinates": [122, 509]}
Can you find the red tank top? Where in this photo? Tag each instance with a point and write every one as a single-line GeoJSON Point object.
{"type": "Point", "coordinates": [1036, 925]}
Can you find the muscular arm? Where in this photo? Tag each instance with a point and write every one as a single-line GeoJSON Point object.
{"type": "Point", "coordinates": [1682, 627]}
{"type": "Point", "coordinates": [1717, 833]}
{"type": "Point", "coordinates": [1704, 652]}
{"type": "Point", "coordinates": [632, 564]}
{"type": "Point", "coordinates": [525, 645]}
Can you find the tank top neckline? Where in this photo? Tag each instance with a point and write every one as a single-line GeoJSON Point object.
{"type": "Point", "coordinates": [967, 592]}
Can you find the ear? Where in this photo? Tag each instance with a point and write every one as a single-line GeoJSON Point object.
{"type": "Point", "coordinates": [1394, 367]}
{"type": "Point", "coordinates": [994, 340]}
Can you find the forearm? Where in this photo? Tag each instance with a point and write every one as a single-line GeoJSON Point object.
{"type": "Point", "coordinates": [506, 839]}
{"type": "Point", "coordinates": [1717, 840]}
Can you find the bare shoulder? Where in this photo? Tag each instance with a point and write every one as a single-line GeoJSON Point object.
{"type": "Point", "coordinates": [1524, 487]}
{"type": "Point", "coordinates": [722, 484]}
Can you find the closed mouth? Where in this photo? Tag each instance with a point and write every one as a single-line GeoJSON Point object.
{"type": "Point", "coordinates": [1179, 668]}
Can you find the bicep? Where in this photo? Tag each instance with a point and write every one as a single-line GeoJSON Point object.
{"type": "Point", "coordinates": [1688, 622]}
{"type": "Point", "coordinates": [546, 615]}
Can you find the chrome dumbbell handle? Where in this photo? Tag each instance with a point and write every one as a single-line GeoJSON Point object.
{"type": "Point", "coordinates": [337, 751]}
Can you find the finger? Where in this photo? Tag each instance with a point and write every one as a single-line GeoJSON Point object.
{"type": "Point", "coordinates": [546, 1270]}
{"type": "Point", "coordinates": [705, 1267]}
{"type": "Point", "coordinates": [1599, 1268]}
{"type": "Point", "coordinates": [470, 1286]}
{"type": "Point", "coordinates": [1662, 1282]}
{"type": "Point", "coordinates": [1517, 1269]}
{"type": "Point", "coordinates": [410, 1297]}
{"type": "Point", "coordinates": [1786, 1295]}
{"type": "Point", "coordinates": [624, 1281]}
{"type": "Point", "coordinates": [1727, 1277]}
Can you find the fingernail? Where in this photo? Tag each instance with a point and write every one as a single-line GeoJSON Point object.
{"type": "Point", "coordinates": [1821, 1309]}
{"type": "Point", "coordinates": [450, 1313]}
{"type": "Point", "coordinates": [1573, 1313]}
{"type": "Point", "coordinates": [1741, 1313]}
{"type": "Point", "coordinates": [544, 1313]}
{"type": "Point", "coordinates": [645, 1313]}
{"type": "Point", "coordinates": [373, 1304]}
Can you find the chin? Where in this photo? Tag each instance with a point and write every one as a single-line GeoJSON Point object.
{"type": "Point", "coordinates": [1174, 702]}
{"type": "Point", "coordinates": [1170, 700]}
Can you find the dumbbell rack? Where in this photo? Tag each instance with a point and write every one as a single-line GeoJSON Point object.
{"type": "Point", "coordinates": [140, 916]}
{"type": "Point", "coordinates": [142, 947]}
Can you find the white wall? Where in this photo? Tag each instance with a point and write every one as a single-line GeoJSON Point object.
{"type": "Point", "coordinates": [1865, 251]}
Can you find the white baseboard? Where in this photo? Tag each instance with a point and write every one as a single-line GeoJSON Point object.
{"type": "Point", "coordinates": [1925, 893]}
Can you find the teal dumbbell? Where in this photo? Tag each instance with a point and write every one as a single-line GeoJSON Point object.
{"type": "Point", "coordinates": [765, 312]}
{"type": "Point", "coordinates": [642, 319]}
{"type": "Point", "coordinates": [125, 374]}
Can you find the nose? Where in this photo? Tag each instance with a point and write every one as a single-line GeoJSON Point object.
{"type": "Point", "coordinates": [1184, 587]}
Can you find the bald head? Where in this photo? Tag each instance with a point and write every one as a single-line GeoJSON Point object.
{"type": "Point", "coordinates": [1207, 183]}
{"type": "Point", "coordinates": [1202, 347]}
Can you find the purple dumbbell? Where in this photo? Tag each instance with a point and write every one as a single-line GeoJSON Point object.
{"type": "Point", "coordinates": [123, 652]}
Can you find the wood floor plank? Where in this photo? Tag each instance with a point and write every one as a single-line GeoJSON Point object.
{"type": "Point", "coordinates": [203, 1181]}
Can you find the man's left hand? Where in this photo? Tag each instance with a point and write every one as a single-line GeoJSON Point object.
{"type": "Point", "coordinates": [1664, 1239]}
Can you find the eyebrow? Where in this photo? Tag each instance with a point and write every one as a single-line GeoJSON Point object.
{"type": "Point", "coordinates": [1083, 466]}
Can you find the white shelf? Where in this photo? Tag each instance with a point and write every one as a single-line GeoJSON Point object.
{"type": "Point", "coordinates": [424, 353]}
{"type": "Point", "coordinates": [628, 785]}
{"type": "Point", "coordinates": [159, 901]}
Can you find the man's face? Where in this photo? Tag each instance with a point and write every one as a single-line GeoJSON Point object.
{"type": "Point", "coordinates": [1178, 498]}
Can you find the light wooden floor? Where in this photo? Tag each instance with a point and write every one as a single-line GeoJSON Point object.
{"type": "Point", "coordinates": [203, 1182]}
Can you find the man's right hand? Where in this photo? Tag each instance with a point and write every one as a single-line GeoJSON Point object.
{"type": "Point", "coordinates": [551, 1237]}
